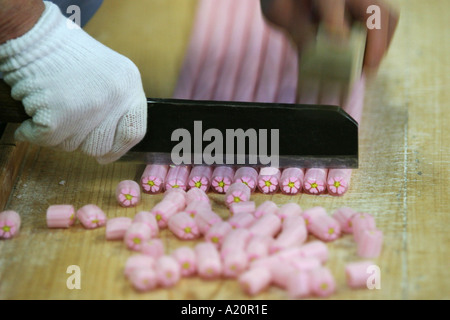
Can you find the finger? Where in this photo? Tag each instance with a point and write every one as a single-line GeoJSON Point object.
{"type": "Point", "coordinates": [333, 17]}
{"type": "Point", "coordinates": [308, 91]}
{"type": "Point", "coordinates": [330, 93]}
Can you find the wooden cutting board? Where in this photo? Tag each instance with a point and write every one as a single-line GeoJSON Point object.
{"type": "Point", "coordinates": [403, 179]}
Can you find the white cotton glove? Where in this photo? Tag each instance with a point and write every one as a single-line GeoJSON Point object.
{"type": "Point", "coordinates": [80, 94]}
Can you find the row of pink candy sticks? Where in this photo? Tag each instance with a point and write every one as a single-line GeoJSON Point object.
{"type": "Point", "coordinates": [268, 180]}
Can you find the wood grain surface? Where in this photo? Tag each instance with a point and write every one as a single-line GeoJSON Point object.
{"type": "Point", "coordinates": [403, 178]}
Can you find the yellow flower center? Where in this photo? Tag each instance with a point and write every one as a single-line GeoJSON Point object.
{"type": "Point", "coordinates": [337, 184]}
{"type": "Point", "coordinates": [198, 184]}
{"type": "Point", "coordinates": [128, 196]}
{"type": "Point", "coordinates": [314, 185]}
{"type": "Point", "coordinates": [237, 199]}
{"type": "Point", "coordinates": [291, 185]}
{"type": "Point", "coordinates": [268, 183]}
{"type": "Point", "coordinates": [6, 228]}
{"type": "Point", "coordinates": [151, 183]}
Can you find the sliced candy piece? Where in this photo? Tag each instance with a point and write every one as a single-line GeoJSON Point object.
{"type": "Point", "coordinates": [153, 178]}
{"type": "Point", "coordinates": [357, 273]}
{"type": "Point", "coordinates": [196, 194]}
{"type": "Point", "coordinates": [60, 216]}
{"type": "Point", "coordinates": [9, 224]}
{"type": "Point", "coordinates": [176, 196]}
{"type": "Point", "coordinates": [177, 177]}
{"type": "Point", "coordinates": [338, 181]}
{"type": "Point", "coordinates": [235, 240]}
{"type": "Point", "coordinates": [168, 271]}
{"type": "Point", "coordinates": [325, 228]}
{"type": "Point", "coordinates": [258, 247]}
{"type": "Point", "coordinates": [205, 219]}
{"type": "Point", "coordinates": [163, 211]}
{"type": "Point", "coordinates": [266, 207]}
{"type": "Point", "coordinates": [138, 261]}
{"type": "Point", "coordinates": [217, 233]}
{"type": "Point", "coordinates": [314, 249]}
{"type": "Point", "coordinates": [116, 228]}
{"type": "Point", "coordinates": [313, 213]}
{"type": "Point", "coordinates": [234, 263]}
{"type": "Point", "coordinates": [315, 181]}
{"type": "Point", "coordinates": [209, 264]}
{"type": "Point", "coordinates": [362, 221]}
{"type": "Point", "coordinates": [293, 233]}
{"type": "Point", "coordinates": [344, 216]}
{"type": "Point", "coordinates": [197, 206]}
{"type": "Point", "coordinates": [186, 258]}
{"type": "Point", "coordinates": [370, 243]}
{"type": "Point", "coordinates": [222, 178]}
{"type": "Point", "coordinates": [255, 280]}
{"type": "Point", "coordinates": [183, 226]}
{"type": "Point", "coordinates": [144, 279]}
{"type": "Point", "coordinates": [237, 192]}
{"type": "Point", "coordinates": [269, 180]}
{"type": "Point", "coordinates": [200, 177]}
{"type": "Point", "coordinates": [153, 248]}
{"type": "Point", "coordinates": [322, 282]}
{"type": "Point", "coordinates": [242, 207]}
{"type": "Point", "coordinates": [288, 210]}
{"type": "Point", "coordinates": [247, 176]}
{"type": "Point", "coordinates": [137, 234]}
{"type": "Point", "coordinates": [91, 216]}
{"type": "Point", "coordinates": [268, 225]}
{"type": "Point", "coordinates": [149, 219]}
{"type": "Point", "coordinates": [299, 285]}
{"type": "Point", "coordinates": [241, 220]}
{"type": "Point", "coordinates": [128, 193]}
{"type": "Point", "coordinates": [291, 180]}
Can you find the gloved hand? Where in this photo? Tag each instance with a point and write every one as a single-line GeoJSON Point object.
{"type": "Point", "coordinates": [80, 94]}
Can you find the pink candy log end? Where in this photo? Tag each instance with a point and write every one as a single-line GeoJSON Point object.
{"type": "Point", "coordinates": [315, 181]}
{"type": "Point", "coordinates": [242, 220]}
{"type": "Point", "coordinates": [362, 221]}
{"type": "Point", "coordinates": [60, 216]}
{"type": "Point", "coordinates": [138, 261]}
{"type": "Point", "coordinates": [291, 180]}
{"type": "Point", "coordinates": [186, 258]}
{"type": "Point", "coordinates": [218, 232]}
{"type": "Point", "coordinates": [183, 226]}
{"type": "Point", "coordinates": [269, 180]}
{"type": "Point", "coordinates": [265, 208]}
{"type": "Point", "coordinates": [289, 210]}
{"type": "Point", "coordinates": [310, 214]}
{"type": "Point", "coordinates": [116, 228]}
{"type": "Point", "coordinates": [128, 193]}
{"type": "Point", "coordinates": [9, 224]}
{"type": "Point", "coordinates": [144, 279]}
{"type": "Point", "coordinates": [149, 219]}
{"type": "Point", "coordinates": [91, 216]}
{"type": "Point", "coordinates": [196, 194]}
{"type": "Point", "coordinates": [234, 263]}
{"type": "Point", "coordinates": [242, 207]}
{"type": "Point", "coordinates": [255, 281]}
{"type": "Point", "coordinates": [370, 243]}
{"type": "Point", "coordinates": [338, 181]}
{"type": "Point", "coordinates": [357, 273]}
{"type": "Point", "coordinates": [237, 192]}
{"type": "Point", "coordinates": [153, 248]}
{"type": "Point", "coordinates": [248, 176]}
{"type": "Point", "coordinates": [222, 178]}
{"type": "Point", "coordinates": [209, 264]}
{"type": "Point", "coordinates": [153, 178]}
{"type": "Point", "coordinates": [322, 282]}
{"type": "Point", "coordinates": [168, 271]}
{"type": "Point", "coordinates": [200, 177]}
{"type": "Point", "coordinates": [267, 225]}
{"type": "Point", "coordinates": [325, 228]}
{"type": "Point", "coordinates": [177, 177]}
{"type": "Point", "coordinates": [176, 196]}
{"type": "Point", "coordinates": [136, 235]}
{"type": "Point", "coordinates": [344, 216]}
{"type": "Point", "coordinates": [163, 211]}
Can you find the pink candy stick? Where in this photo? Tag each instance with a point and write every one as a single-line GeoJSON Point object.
{"type": "Point", "coordinates": [269, 180]}
{"type": "Point", "coordinates": [237, 192]}
{"type": "Point", "coordinates": [116, 228]}
{"type": "Point", "coordinates": [138, 261]}
{"type": "Point", "coordinates": [248, 176]}
{"type": "Point", "coordinates": [197, 206]}
{"type": "Point", "coordinates": [235, 240]}
{"type": "Point", "coordinates": [338, 181]}
{"type": "Point", "coordinates": [255, 280]}
{"type": "Point", "coordinates": [362, 221]}
{"type": "Point", "coordinates": [177, 177]}
{"type": "Point", "coordinates": [60, 216]}
{"type": "Point", "coordinates": [293, 233]}
{"type": "Point", "coordinates": [149, 219]}
{"type": "Point", "coordinates": [168, 271]}
{"type": "Point", "coordinates": [218, 232]}
{"type": "Point", "coordinates": [344, 216]}
{"type": "Point", "coordinates": [234, 263]}
{"type": "Point", "coordinates": [314, 249]}
{"type": "Point", "coordinates": [290, 209]}
{"type": "Point", "coordinates": [153, 248]}
{"type": "Point", "coordinates": [242, 220]}
{"type": "Point", "coordinates": [357, 273]}
{"type": "Point", "coordinates": [322, 282]}
{"type": "Point", "coordinates": [370, 243]}
{"type": "Point", "coordinates": [291, 180]}
{"type": "Point", "coordinates": [153, 177]}
{"type": "Point", "coordinates": [265, 208]}
{"type": "Point", "coordinates": [91, 216]}
{"type": "Point", "coordinates": [128, 193]}
{"type": "Point", "coordinates": [144, 279]}
{"type": "Point", "coordinates": [9, 224]}
{"type": "Point", "coordinates": [186, 258]}
{"type": "Point", "coordinates": [268, 225]}
{"type": "Point", "coordinates": [258, 247]}
{"type": "Point", "coordinates": [196, 194]}
{"type": "Point", "coordinates": [183, 226]}
{"type": "Point", "coordinates": [313, 213]}
{"type": "Point", "coordinates": [299, 285]}
{"type": "Point", "coordinates": [209, 264]}
{"type": "Point", "coordinates": [222, 178]}
{"type": "Point", "coordinates": [242, 207]}
{"type": "Point", "coordinates": [163, 211]}
{"type": "Point", "coordinates": [205, 219]}
{"type": "Point", "coordinates": [315, 181]}
{"type": "Point", "coordinates": [325, 228]}
{"type": "Point", "coordinates": [176, 196]}
{"type": "Point", "coordinates": [200, 177]}
{"type": "Point", "coordinates": [136, 235]}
